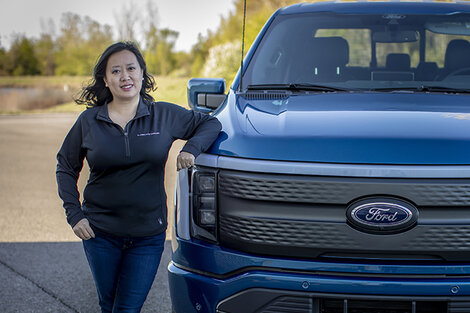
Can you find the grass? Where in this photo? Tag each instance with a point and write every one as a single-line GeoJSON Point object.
{"type": "Point", "coordinates": [42, 81]}
{"type": "Point", "coordinates": [69, 107]}
{"type": "Point", "coordinates": [169, 89]}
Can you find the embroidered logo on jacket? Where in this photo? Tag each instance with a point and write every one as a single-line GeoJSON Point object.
{"type": "Point", "coordinates": [148, 134]}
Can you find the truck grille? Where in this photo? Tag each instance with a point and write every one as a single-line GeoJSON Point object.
{"type": "Point", "coordinates": [284, 233]}
{"type": "Point", "coordinates": [305, 216]}
{"type": "Point", "coordinates": [308, 189]}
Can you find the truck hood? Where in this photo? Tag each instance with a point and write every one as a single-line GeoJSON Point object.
{"type": "Point", "coordinates": [372, 128]}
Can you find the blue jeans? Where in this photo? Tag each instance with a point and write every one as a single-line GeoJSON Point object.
{"type": "Point", "coordinates": [123, 269]}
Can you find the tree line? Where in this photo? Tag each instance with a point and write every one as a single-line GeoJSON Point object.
{"type": "Point", "coordinates": [73, 49]}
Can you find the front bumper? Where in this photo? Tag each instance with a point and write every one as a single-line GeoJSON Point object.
{"type": "Point", "coordinates": [258, 290]}
{"type": "Point", "coordinates": [257, 283]}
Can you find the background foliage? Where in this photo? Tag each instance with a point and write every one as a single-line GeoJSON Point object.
{"type": "Point", "coordinates": [74, 48]}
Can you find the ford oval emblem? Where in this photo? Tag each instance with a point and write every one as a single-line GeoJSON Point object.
{"type": "Point", "coordinates": [382, 215]}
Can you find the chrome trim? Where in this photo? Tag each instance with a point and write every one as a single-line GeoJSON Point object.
{"type": "Point", "coordinates": [331, 169]}
{"type": "Point", "coordinates": [209, 160]}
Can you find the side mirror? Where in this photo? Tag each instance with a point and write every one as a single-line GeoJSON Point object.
{"type": "Point", "coordinates": [206, 94]}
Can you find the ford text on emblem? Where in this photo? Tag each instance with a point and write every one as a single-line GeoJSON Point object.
{"type": "Point", "coordinates": [382, 215]}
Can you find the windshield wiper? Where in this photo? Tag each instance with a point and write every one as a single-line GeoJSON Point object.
{"type": "Point", "coordinates": [443, 89]}
{"type": "Point", "coordinates": [295, 87]}
{"type": "Point", "coordinates": [424, 89]}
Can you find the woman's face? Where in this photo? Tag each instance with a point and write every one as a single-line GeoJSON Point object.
{"type": "Point", "coordinates": [123, 76]}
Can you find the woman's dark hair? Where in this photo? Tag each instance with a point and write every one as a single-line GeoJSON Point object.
{"type": "Point", "coordinates": [96, 93]}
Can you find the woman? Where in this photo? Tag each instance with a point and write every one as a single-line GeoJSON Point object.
{"type": "Point", "coordinates": [125, 138]}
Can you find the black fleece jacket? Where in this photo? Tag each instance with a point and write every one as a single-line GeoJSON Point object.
{"type": "Point", "coordinates": [125, 194]}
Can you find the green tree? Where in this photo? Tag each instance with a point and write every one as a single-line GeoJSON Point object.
{"type": "Point", "coordinates": [79, 44]}
{"type": "Point", "coordinates": [3, 60]}
{"type": "Point", "coordinates": [44, 49]}
{"type": "Point", "coordinates": [230, 32]}
{"type": "Point", "coordinates": [183, 64]}
{"type": "Point", "coordinates": [97, 38]}
{"type": "Point", "coordinates": [159, 44]}
{"type": "Point", "coordinates": [159, 54]}
{"type": "Point", "coordinates": [199, 53]}
{"type": "Point", "coordinates": [21, 59]}
{"type": "Point", "coordinates": [165, 51]}
{"type": "Point", "coordinates": [69, 43]}
{"type": "Point", "coordinates": [223, 61]}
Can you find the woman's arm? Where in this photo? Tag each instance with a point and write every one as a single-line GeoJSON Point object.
{"type": "Point", "coordinates": [69, 164]}
{"type": "Point", "coordinates": [200, 130]}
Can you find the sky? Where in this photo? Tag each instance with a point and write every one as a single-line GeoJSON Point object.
{"type": "Point", "coordinates": [188, 17]}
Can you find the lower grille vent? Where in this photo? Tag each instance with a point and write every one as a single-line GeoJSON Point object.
{"type": "Point", "coordinates": [261, 300]}
{"type": "Point", "coordinates": [459, 307]}
{"type": "Point", "coordinates": [289, 305]}
{"type": "Point", "coordinates": [368, 306]}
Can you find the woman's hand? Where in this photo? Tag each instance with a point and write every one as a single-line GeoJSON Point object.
{"type": "Point", "coordinates": [83, 230]}
{"type": "Point", "coordinates": [184, 160]}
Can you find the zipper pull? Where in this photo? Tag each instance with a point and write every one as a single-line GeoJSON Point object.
{"type": "Point", "coordinates": [126, 142]}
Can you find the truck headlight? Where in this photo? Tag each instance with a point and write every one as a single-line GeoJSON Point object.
{"type": "Point", "coordinates": [204, 203]}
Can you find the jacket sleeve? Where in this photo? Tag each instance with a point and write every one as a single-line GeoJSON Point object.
{"type": "Point", "coordinates": [200, 130]}
{"type": "Point", "coordinates": [69, 164]}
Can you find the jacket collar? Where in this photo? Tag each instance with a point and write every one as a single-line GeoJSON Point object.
{"type": "Point", "coordinates": [142, 110]}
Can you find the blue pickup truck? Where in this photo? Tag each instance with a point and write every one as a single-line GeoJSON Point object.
{"type": "Point", "coordinates": [341, 179]}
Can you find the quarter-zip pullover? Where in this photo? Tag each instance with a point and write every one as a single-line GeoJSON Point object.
{"type": "Point", "coordinates": [125, 194]}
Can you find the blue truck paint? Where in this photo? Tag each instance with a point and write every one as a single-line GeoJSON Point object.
{"type": "Point", "coordinates": [199, 289]}
{"type": "Point", "coordinates": [347, 128]}
{"type": "Point", "coordinates": [215, 86]}
{"type": "Point", "coordinates": [274, 247]}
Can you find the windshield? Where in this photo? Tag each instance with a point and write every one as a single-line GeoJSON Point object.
{"type": "Point", "coordinates": [364, 52]}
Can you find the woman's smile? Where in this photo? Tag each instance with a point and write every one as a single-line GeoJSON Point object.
{"type": "Point", "coordinates": [127, 87]}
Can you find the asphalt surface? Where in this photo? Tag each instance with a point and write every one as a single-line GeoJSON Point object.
{"type": "Point", "coordinates": [42, 264]}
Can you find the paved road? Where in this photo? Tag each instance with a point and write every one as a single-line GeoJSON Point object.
{"type": "Point", "coordinates": [42, 265]}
